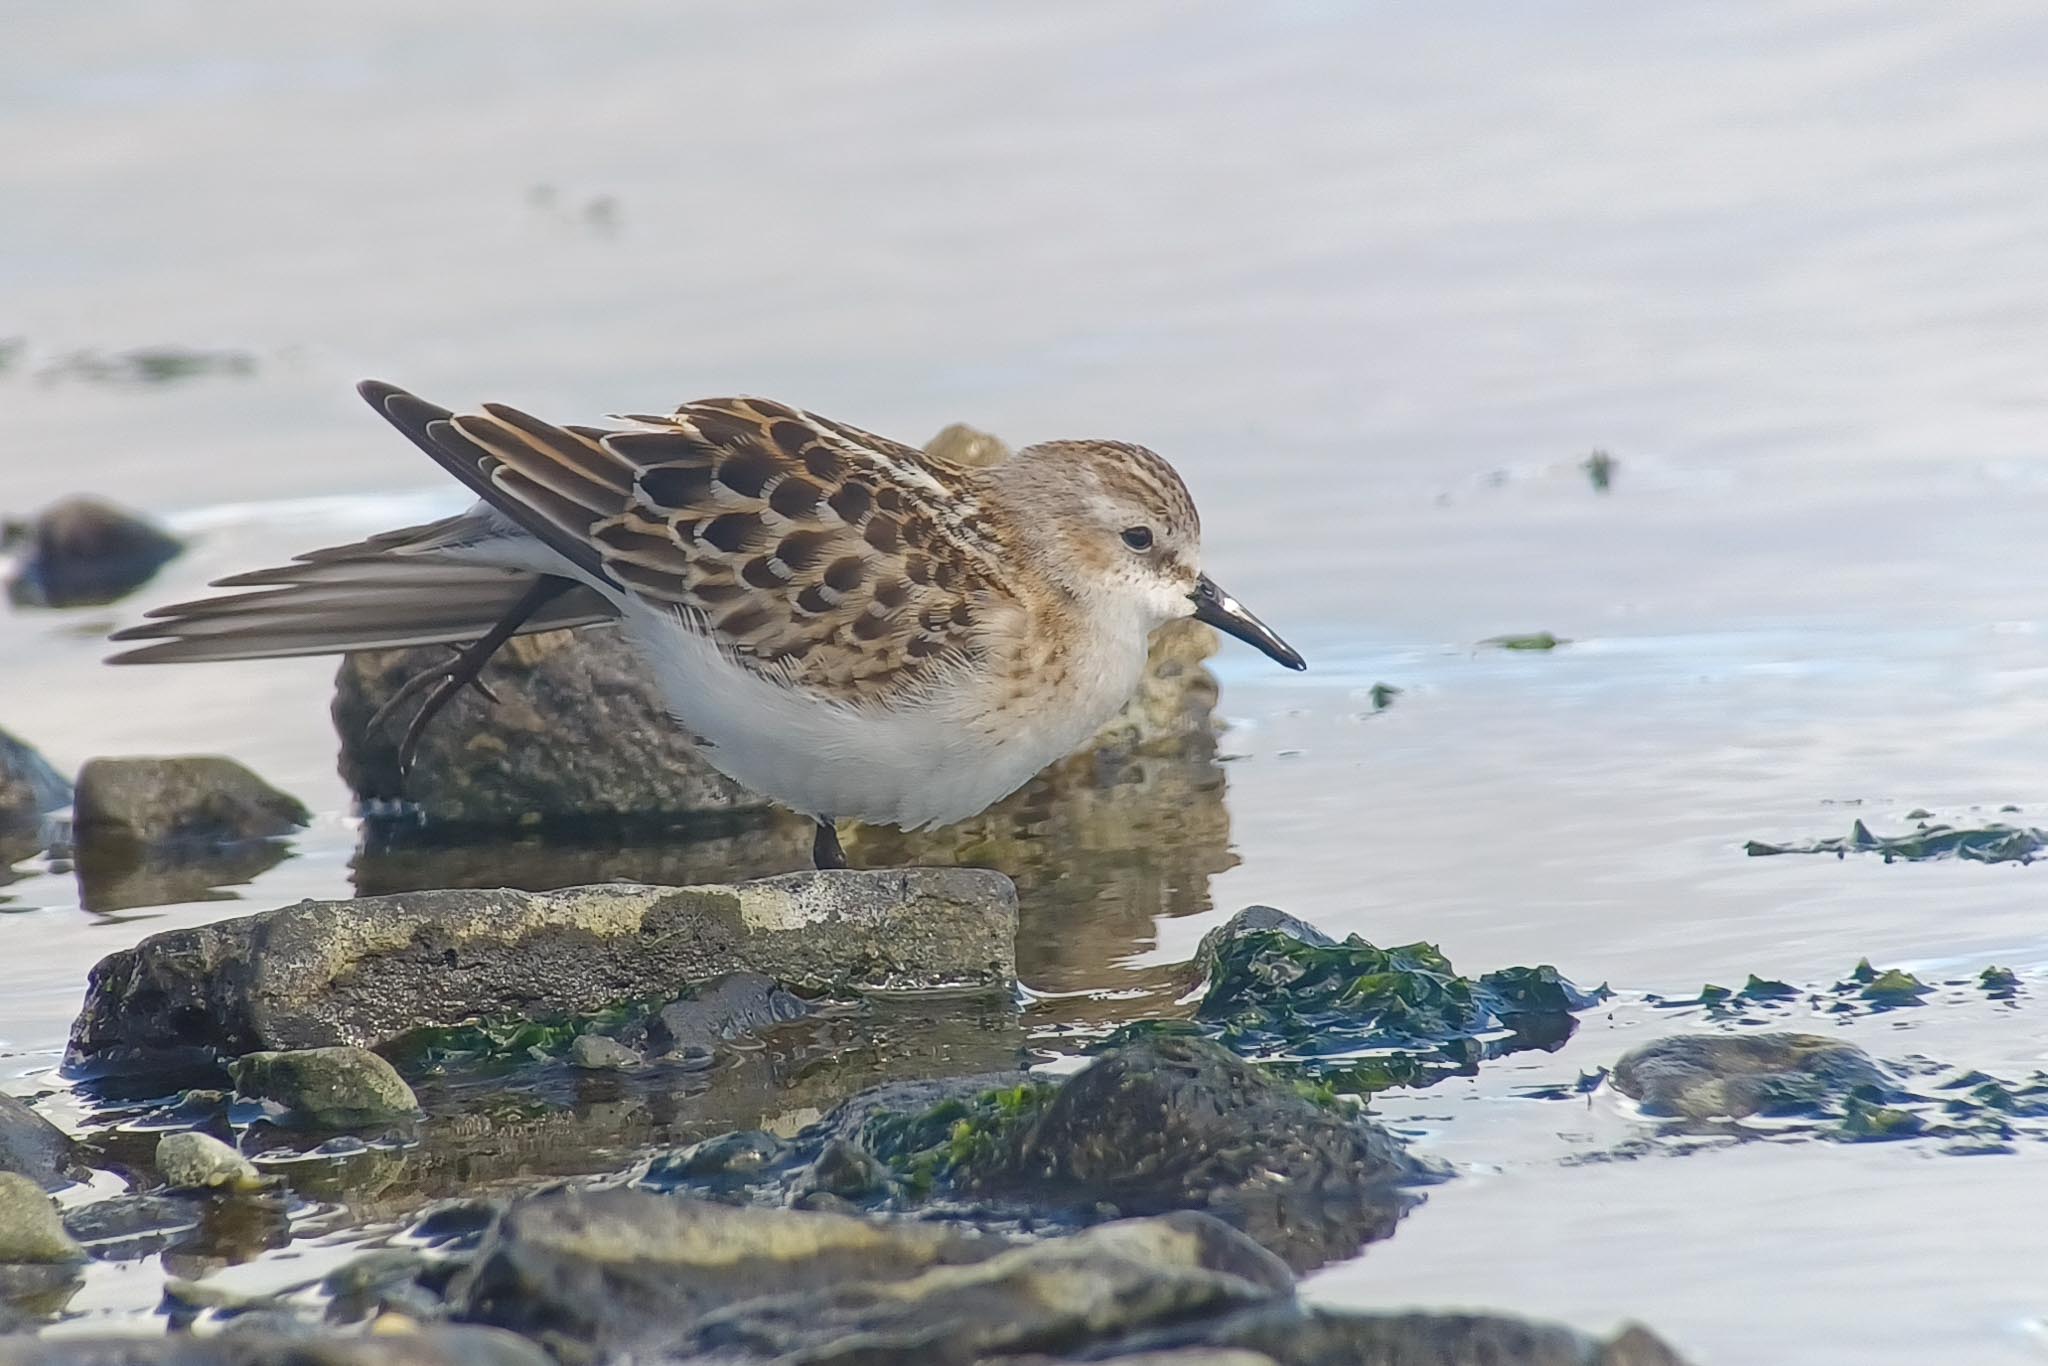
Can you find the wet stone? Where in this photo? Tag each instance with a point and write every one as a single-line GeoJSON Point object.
{"type": "Point", "coordinates": [326, 1088]}
{"type": "Point", "coordinates": [191, 1160]}
{"type": "Point", "coordinates": [1732, 1076]}
{"type": "Point", "coordinates": [615, 1270]}
{"type": "Point", "coordinates": [33, 1147]}
{"type": "Point", "coordinates": [193, 801]}
{"type": "Point", "coordinates": [367, 972]}
{"type": "Point", "coordinates": [29, 789]}
{"type": "Point", "coordinates": [1178, 1123]}
{"type": "Point", "coordinates": [30, 1230]}
{"type": "Point", "coordinates": [83, 551]}
{"type": "Point", "coordinates": [596, 1053]}
{"type": "Point", "coordinates": [428, 1346]}
{"type": "Point", "coordinates": [1292, 1334]}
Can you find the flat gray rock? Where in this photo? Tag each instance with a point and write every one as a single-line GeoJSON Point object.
{"type": "Point", "coordinates": [369, 971]}
{"type": "Point", "coordinates": [431, 1346]}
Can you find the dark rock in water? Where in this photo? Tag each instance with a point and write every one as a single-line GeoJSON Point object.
{"type": "Point", "coordinates": [617, 1269]}
{"type": "Point", "coordinates": [192, 801]}
{"type": "Point", "coordinates": [29, 789]}
{"type": "Point", "coordinates": [581, 735]}
{"type": "Point", "coordinates": [1730, 1076]}
{"type": "Point", "coordinates": [33, 1147]}
{"type": "Point", "coordinates": [82, 551]}
{"type": "Point", "coordinates": [735, 1005]}
{"type": "Point", "coordinates": [1292, 1334]}
{"type": "Point", "coordinates": [618, 1272]}
{"type": "Point", "coordinates": [430, 1346]}
{"type": "Point", "coordinates": [1177, 1123]}
{"type": "Point", "coordinates": [367, 972]}
{"type": "Point", "coordinates": [326, 1088]}
{"type": "Point", "coordinates": [30, 1230]}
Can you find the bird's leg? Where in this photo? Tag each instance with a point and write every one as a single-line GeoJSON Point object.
{"type": "Point", "coordinates": [825, 850]}
{"type": "Point", "coordinates": [442, 682]}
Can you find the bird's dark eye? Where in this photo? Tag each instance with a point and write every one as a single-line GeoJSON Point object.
{"type": "Point", "coordinates": [1138, 537]}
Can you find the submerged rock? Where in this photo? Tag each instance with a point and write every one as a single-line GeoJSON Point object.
{"type": "Point", "coordinates": [33, 1147]}
{"type": "Point", "coordinates": [83, 551]}
{"type": "Point", "coordinates": [387, 1346]}
{"type": "Point", "coordinates": [580, 734]}
{"type": "Point", "coordinates": [326, 1088]}
{"type": "Point", "coordinates": [367, 972]}
{"type": "Point", "coordinates": [1732, 1076]}
{"type": "Point", "coordinates": [191, 1160]}
{"type": "Point", "coordinates": [30, 1230]}
{"type": "Point", "coordinates": [193, 801]}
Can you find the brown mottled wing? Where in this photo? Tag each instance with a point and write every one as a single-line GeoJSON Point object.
{"type": "Point", "coordinates": [833, 559]}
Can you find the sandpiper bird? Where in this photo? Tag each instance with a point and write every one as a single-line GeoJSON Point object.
{"type": "Point", "coordinates": [849, 626]}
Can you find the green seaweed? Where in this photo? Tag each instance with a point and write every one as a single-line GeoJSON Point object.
{"type": "Point", "coordinates": [2000, 984]}
{"type": "Point", "coordinates": [1599, 468]}
{"type": "Point", "coordinates": [1534, 640]}
{"type": "Point", "coordinates": [1362, 1019]}
{"type": "Point", "coordinates": [513, 1037]}
{"type": "Point", "coordinates": [947, 1141]}
{"type": "Point", "coordinates": [1993, 843]}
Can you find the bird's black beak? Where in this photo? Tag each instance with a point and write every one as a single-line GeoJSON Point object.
{"type": "Point", "coordinates": [1229, 616]}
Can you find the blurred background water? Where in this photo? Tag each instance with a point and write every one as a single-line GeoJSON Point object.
{"type": "Point", "coordinates": [1379, 279]}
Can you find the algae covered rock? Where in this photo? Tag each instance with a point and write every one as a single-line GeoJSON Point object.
{"type": "Point", "coordinates": [30, 1230]}
{"type": "Point", "coordinates": [369, 971]}
{"type": "Point", "coordinates": [1170, 1123]}
{"type": "Point", "coordinates": [1289, 1333]}
{"type": "Point", "coordinates": [326, 1088]}
{"type": "Point", "coordinates": [1276, 986]}
{"type": "Point", "coordinates": [1732, 1076]}
{"type": "Point", "coordinates": [195, 800]}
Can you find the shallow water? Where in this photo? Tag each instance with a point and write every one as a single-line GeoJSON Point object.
{"type": "Point", "coordinates": [1378, 278]}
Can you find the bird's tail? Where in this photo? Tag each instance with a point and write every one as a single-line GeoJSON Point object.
{"type": "Point", "coordinates": [388, 591]}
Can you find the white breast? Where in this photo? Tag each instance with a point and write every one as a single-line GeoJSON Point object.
{"type": "Point", "coordinates": [941, 759]}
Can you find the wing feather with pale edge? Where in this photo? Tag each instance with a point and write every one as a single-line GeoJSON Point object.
{"type": "Point", "coordinates": [831, 558]}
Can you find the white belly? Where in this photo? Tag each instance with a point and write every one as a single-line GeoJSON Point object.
{"type": "Point", "coordinates": [930, 764]}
